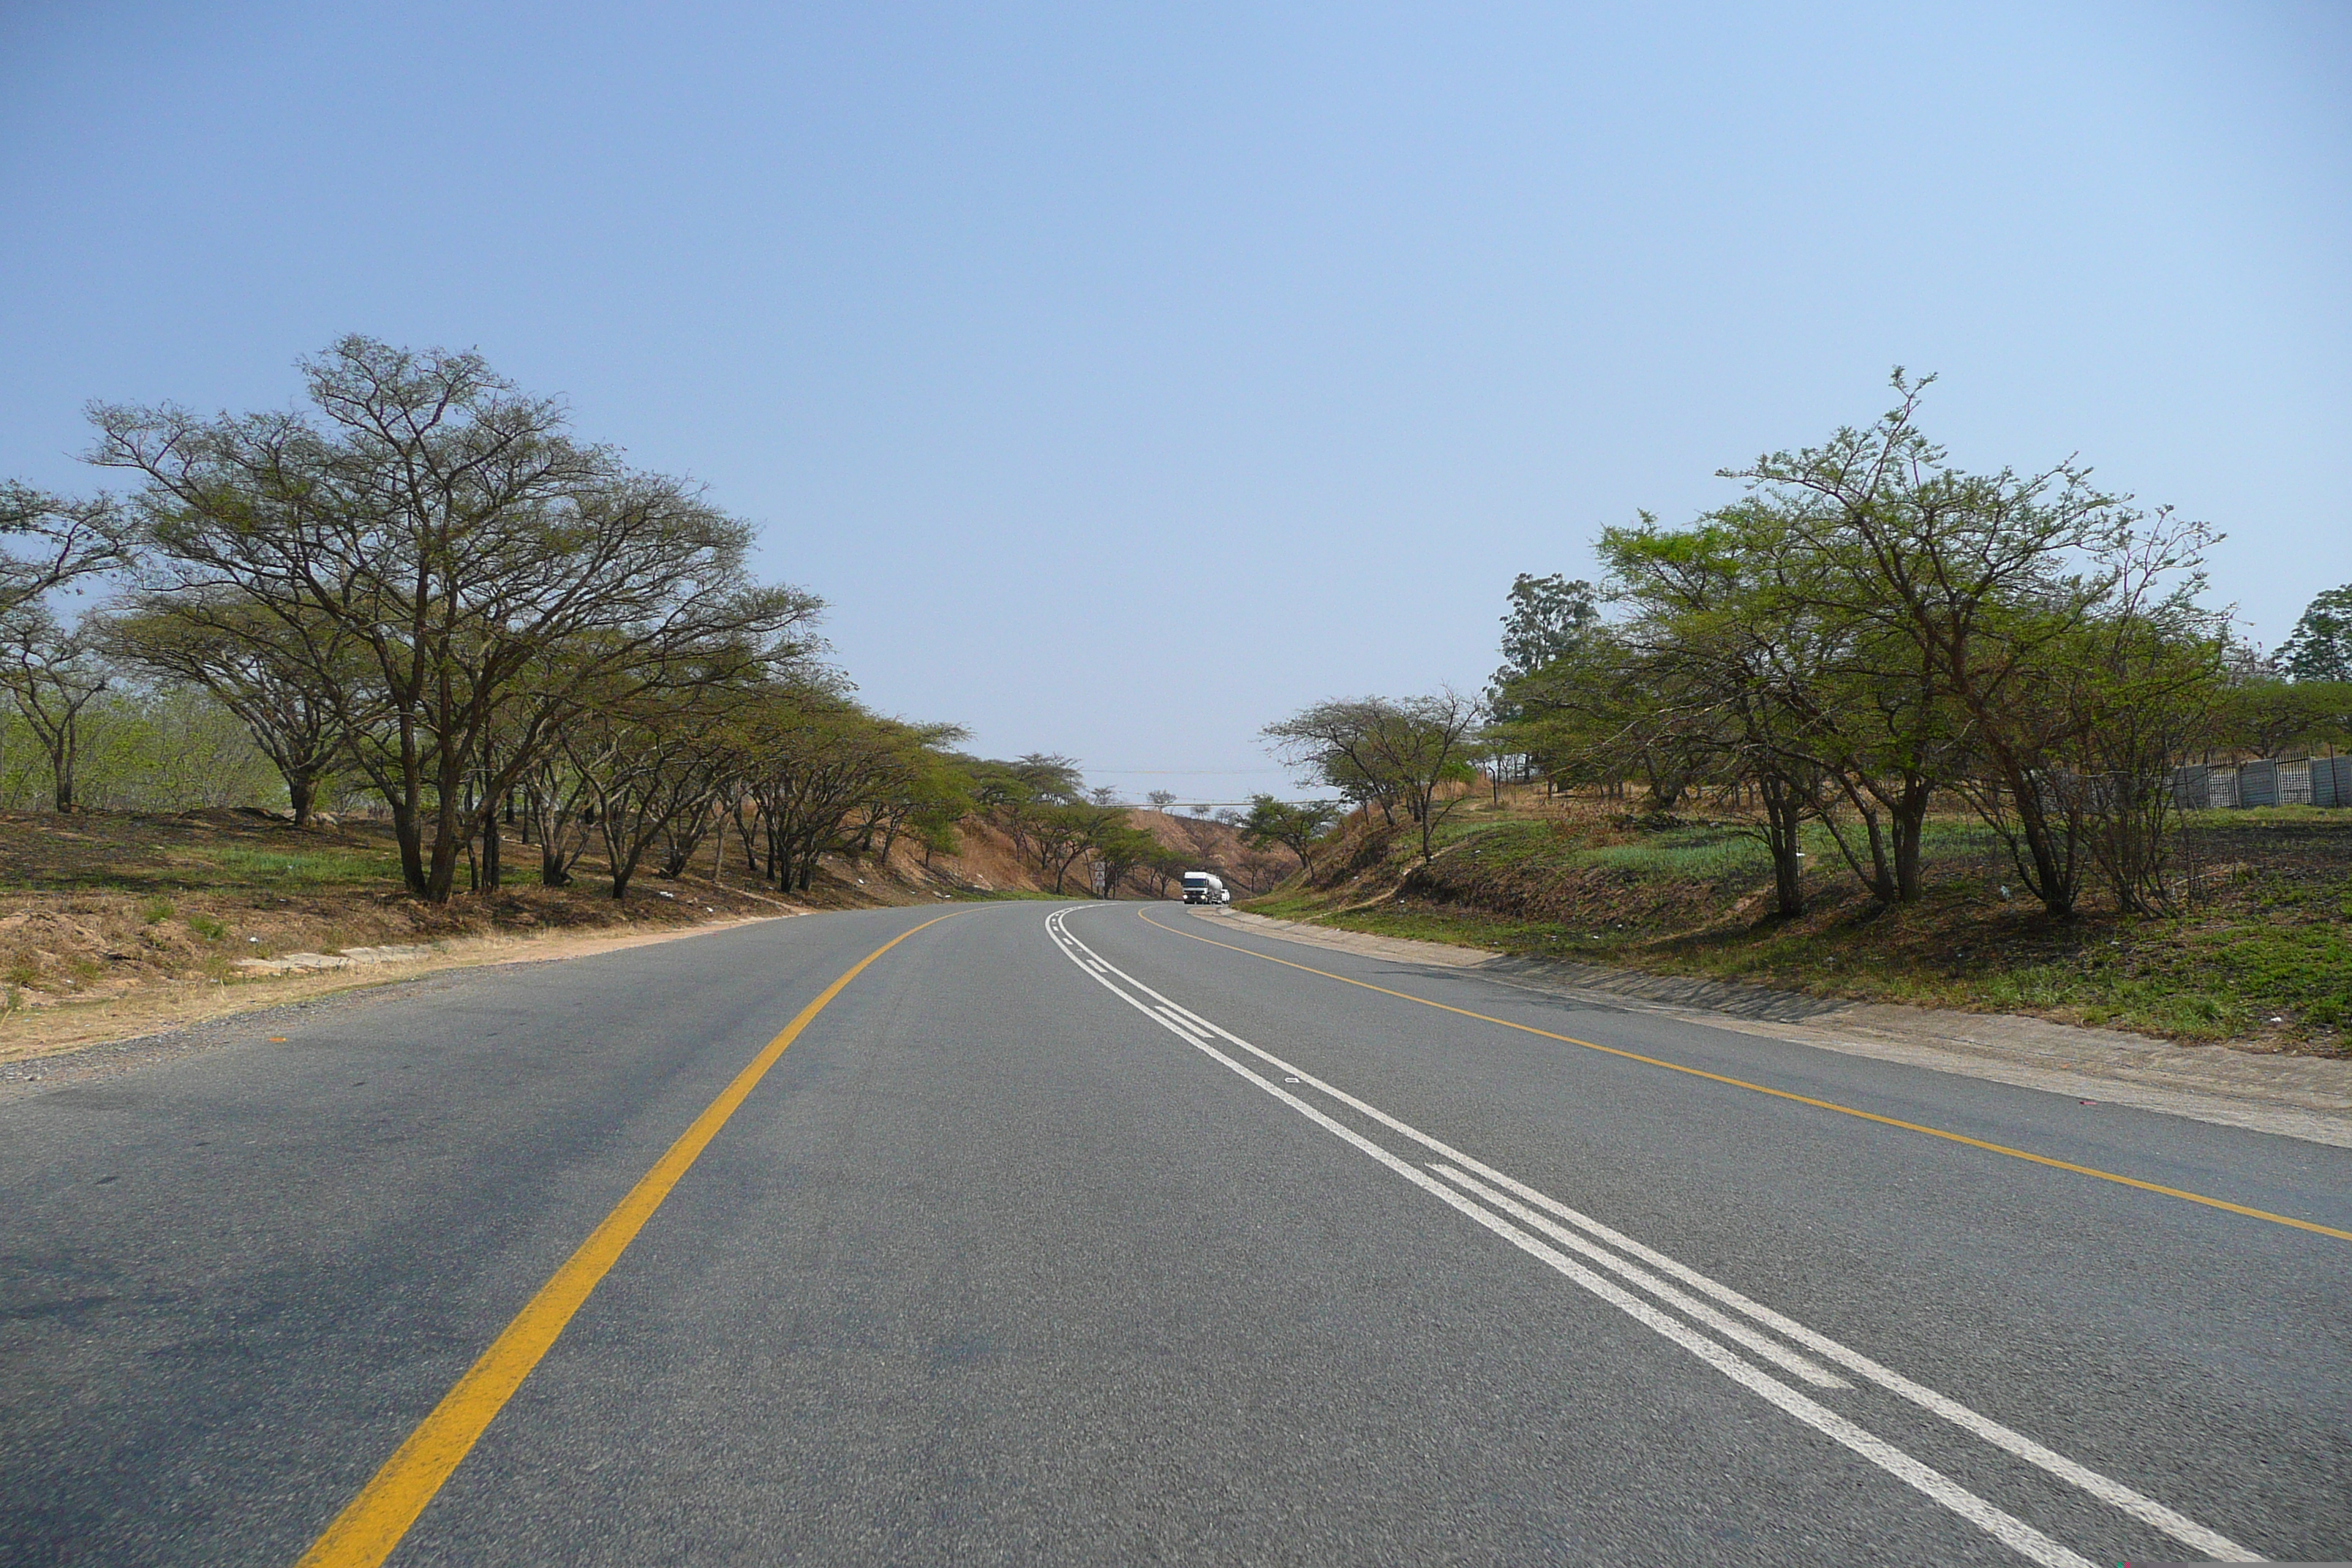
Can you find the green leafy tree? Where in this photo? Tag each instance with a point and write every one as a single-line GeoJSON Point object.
{"type": "Point", "coordinates": [483, 568]}
{"type": "Point", "coordinates": [2320, 647]}
{"type": "Point", "coordinates": [1295, 825]}
{"type": "Point", "coordinates": [261, 668]}
{"type": "Point", "coordinates": [1716, 652]}
{"type": "Point", "coordinates": [1587, 719]}
{"type": "Point", "coordinates": [1550, 617]}
{"type": "Point", "coordinates": [1065, 833]}
{"type": "Point", "coordinates": [1413, 753]}
{"type": "Point", "coordinates": [918, 786]}
{"type": "Point", "coordinates": [942, 797]}
{"type": "Point", "coordinates": [2285, 718]}
{"type": "Point", "coordinates": [2003, 585]}
{"type": "Point", "coordinates": [1119, 848]}
{"type": "Point", "coordinates": [52, 675]}
{"type": "Point", "coordinates": [1161, 865]}
{"type": "Point", "coordinates": [653, 748]}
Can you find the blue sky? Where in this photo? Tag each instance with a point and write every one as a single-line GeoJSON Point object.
{"type": "Point", "coordinates": [1125, 377]}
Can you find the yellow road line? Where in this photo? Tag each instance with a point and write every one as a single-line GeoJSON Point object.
{"type": "Point", "coordinates": [365, 1533]}
{"type": "Point", "coordinates": [1784, 1094]}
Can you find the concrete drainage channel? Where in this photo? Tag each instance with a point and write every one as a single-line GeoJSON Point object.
{"type": "Point", "coordinates": [350, 958]}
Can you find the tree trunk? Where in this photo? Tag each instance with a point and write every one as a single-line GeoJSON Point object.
{"type": "Point", "coordinates": [1909, 812]}
{"type": "Point", "coordinates": [2051, 876]}
{"type": "Point", "coordinates": [405, 831]}
{"type": "Point", "coordinates": [1783, 818]}
{"type": "Point", "coordinates": [552, 873]}
{"type": "Point", "coordinates": [484, 816]}
{"type": "Point", "coordinates": [1881, 872]}
{"type": "Point", "coordinates": [441, 869]}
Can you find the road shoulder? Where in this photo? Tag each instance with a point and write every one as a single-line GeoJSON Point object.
{"type": "Point", "coordinates": [2308, 1098]}
{"type": "Point", "coordinates": [131, 1038]}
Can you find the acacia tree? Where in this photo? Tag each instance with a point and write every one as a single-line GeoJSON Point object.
{"type": "Point", "coordinates": [259, 667]}
{"type": "Point", "coordinates": [485, 568]}
{"type": "Point", "coordinates": [1064, 834]}
{"type": "Point", "coordinates": [2146, 679]}
{"type": "Point", "coordinates": [1389, 751]}
{"type": "Point", "coordinates": [1119, 847]}
{"type": "Point", "coordinates": [1718, 654]}
{"type": "Point", "coordinates": [812, 763]}
{"type": "Point", "coordinates": [1295, 825]}
{"type": "Point", "coordinates": [911, 780]}
{"type": "Point", "coordinates": [1993, 581]}
{"type": "Point", "coordinates": [1158, 866]}
{"type": "Point", "coordinates": [557, 799]}
{"type": "Point", "coordinates": [51, 676]}
{"type": "Point", "coordinates": [651, 749]}
{"type": "Point", "coordinates": [1587, 718]}
{"type": "Point", "coordinates": [2278, 718]}
{"type": "Point", "coordinates": [1336, 744]}
{"type": "Point", "coordinates": [1425, 747]}
{"type": "Point", "coordinates": [54, 541]}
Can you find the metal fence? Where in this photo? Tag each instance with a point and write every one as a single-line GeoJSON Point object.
{"type": "Point", "coordinates": [2297, 781]}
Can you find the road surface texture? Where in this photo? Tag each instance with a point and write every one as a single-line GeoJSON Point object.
{"type": "Point", "coordinates": [1107, 1233]}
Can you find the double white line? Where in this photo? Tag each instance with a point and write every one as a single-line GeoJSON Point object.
{"type": "Point", "coordinates": [1549, 1230]}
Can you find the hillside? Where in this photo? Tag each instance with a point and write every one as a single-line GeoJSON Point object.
{"type": "Point", "coordinates": [1215, 846]}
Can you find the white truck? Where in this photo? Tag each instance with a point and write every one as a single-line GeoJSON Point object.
{"type": "Point", "coordinates": [1201, 888]}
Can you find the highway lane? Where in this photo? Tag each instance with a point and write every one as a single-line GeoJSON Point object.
{"type": "Point", "coordinates": [996, 1266]}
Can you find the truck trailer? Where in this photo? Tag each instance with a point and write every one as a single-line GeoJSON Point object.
{"type": "Point", "coordinates": [1201, 888]}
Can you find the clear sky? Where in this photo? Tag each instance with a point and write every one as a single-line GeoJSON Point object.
{"type": "Point", "coordinates": [1126, 377]}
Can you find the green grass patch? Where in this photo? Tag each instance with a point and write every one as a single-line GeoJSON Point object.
{"type": "Point", "coordinates": [1692, 854]}
{"type": "Point", "coordinates": [307, 870]}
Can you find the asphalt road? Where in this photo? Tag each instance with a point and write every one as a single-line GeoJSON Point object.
{"type": "Point", "coordinates": [1077, 1239]}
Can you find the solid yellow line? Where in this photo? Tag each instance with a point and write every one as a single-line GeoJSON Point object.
{"type": "Point", "coordinates": [365, 1533]}
{"type": "Point", "coordinates": [1784, 1094]}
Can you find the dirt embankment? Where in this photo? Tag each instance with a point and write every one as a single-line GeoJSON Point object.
{"type": "Point", "coordinates": [2255, 948]}
{"type": "Point", "coordinates": [116, 921]}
